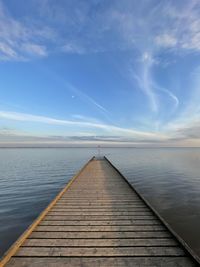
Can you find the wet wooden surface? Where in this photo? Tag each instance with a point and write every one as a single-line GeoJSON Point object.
{"type": "Point", "coordinates": [100, 221]}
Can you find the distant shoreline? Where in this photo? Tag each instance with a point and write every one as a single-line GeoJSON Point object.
{"type": "Point", "coordinates": [129, 147]}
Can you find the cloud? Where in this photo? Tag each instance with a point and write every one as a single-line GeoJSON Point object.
{"type": "Point", "coordinates": [20, 40]}
{"type": "Point", "coordinates": [148, 85]}
{"type": "Point", "coordinates": [73, 48]}
{"type": "Point", "coordinates": [35, 49]}
{"type": "Point", "coordinates": [181, 24]}
{"type": "Point", "coordinates": [84, 124]}
{"type": "Point", "coordinates": [144, 82]}
{"type": "Point", "coordinates": [166, 40]}
{"type": "Point", "coordinates": [6, 51]}
{"type": "Point", "coordinates": [169, 94]}
{"type": "Point", "coordinates": [87, 98]}
{"type": "Point", "coordinates": [187, 120]}
{"type": "Point", "coordinates": [192, 132]}
{"type": "Point", "coordinates": [12, 137]}
{"type": "Point", "coordinates": [80, 94]}
{"type": "Point", "coordinates": [87, 27]}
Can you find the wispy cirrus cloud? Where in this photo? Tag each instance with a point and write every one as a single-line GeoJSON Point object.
{"type": "Point", "coordinates": [166, 40]}
{"type": "Point", "coordinates": [84, 27]}
{"type": "Point", "coordinates": [181, 31]}
{"type": "Point", "coordinates": [21, 40]}
{"type": "Point", "coordinates": [175, 31]}
{"type": "Point", "coordinates": [147, 83]}
{"type": "Point", "coordinates": [34, 49]}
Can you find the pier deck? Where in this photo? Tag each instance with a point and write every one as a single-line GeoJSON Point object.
{"type": "Point", "coordinates": [98, 220]}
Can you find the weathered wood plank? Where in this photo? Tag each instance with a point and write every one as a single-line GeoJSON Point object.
{"type": "Point", "coordinates": [100, 228]}
{"type": "Point", "coordinates": [99, 242]}
{"type": "Point", "coordinates": [138, 213]}
{"type": "Point", "coordinates": [64, 209]}
{"type": "Point", "coordinates": [99, 217]}
{"type": "Point", "coordinates": [106, 235]}
{"type": "Point", "coordinates": [99, 252]}
{"type": "Point", "coordinates": [100, 198]}
{"type": "Point", "coordinates": [101, 262]}
{"type": "Point", "coordinates": [93, 205]}
{"type": "Point", "coordinates": [101, 223]}
{"type": "Point", "coordinates": [98, 201]}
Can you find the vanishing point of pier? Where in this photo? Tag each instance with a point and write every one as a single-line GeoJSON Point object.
{"type": "Point", "coordinates": [98, 219]}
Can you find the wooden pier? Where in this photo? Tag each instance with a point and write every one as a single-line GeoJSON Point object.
{"type": "Point", "coordinates": [98, 219]}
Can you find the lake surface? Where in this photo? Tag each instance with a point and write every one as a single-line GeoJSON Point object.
{"type": "Point", "coordinates": [169, 178]}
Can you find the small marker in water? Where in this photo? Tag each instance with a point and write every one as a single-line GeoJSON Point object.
{"type": "Point", "coordinates": [99, 151]}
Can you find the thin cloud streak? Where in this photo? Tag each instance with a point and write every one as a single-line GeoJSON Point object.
{"type": "Point", "coordinates": [84, 96]}
{"type": "Point", "coordinates": [47, 120]}
{"type": "Point", "coordinates": [144, 80]}
{"type": "Point", "coordinates": [80, 94]}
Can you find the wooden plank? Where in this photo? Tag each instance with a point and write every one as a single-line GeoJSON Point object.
{"type": "Point", "coordinates": [99, 217]}
{"type": "Point", "coordinates": [87, 195]}
{"type": "Point", "coordinates": [90, 198]}
{"type": "Point", "coordinates": [99, 201]}
{"type": "Point", "coordinates": [64, 209]}
{"type": "Point", "coordinates": [106, 235]}
{"type": "Point", "coordinates": [98, 205]}
{"type": "Point", "coordinates": [92, 189]}
{"type": "Point", "coordinates": [101, 261]}
{"type": "Point", "coordinates": [99, 242]}
{"type": "Point", "coordinates": [96, 193]}
{"type": "Point", "coordinates": [100, 228]}
{"type": "Point", "coordinates": [92, 207]}
{"type": "Point", "coordinates": [114, 208]}
{"type": "Point", "coordinates": [101, 223]}
{"type": "Point", "coordinates": [99, 252]}
{"type": "Point", "coordinates": [104, 213]}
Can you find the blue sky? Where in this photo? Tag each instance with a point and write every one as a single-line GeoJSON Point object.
{"type": "Point", "coordinates": [100, 72]}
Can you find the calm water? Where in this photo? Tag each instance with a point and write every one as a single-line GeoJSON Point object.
{"type": "Point", "coordinates": [168, 178]}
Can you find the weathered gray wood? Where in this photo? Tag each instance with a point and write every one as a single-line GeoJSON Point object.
{"type": "Point", "coordinates": [141, 234]}
{"type": "Point", "coordinates": [99, 202]}
{"type": "Point", "coordinates": [101, 262]}
{"type": "Point", "coordinates": [103, 196]}
{"type": "Point", "coordinates": [65, 209]}
{"type": "Point", "coordinates": [99, 242]}
{"type": "Point", "coordinates": [104, 213]}
{"type": "Point", "coordinates": [102, 199]}
{"type": "Point", "coordinates": [97, 206]}
{"type": "Point", "coordinates": [100, 223]}
{"type": "Point", "coordinates": [97, 217]}
{"type": "Point", "coordinates": [92, 206]}
{"type": "Point", "coordinates": [100, 228]}
{"type": "Point", "coordinates": [100, 252]}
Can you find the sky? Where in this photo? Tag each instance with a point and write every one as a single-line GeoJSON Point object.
{"type": "Point", "coordinates": [106, 72]}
